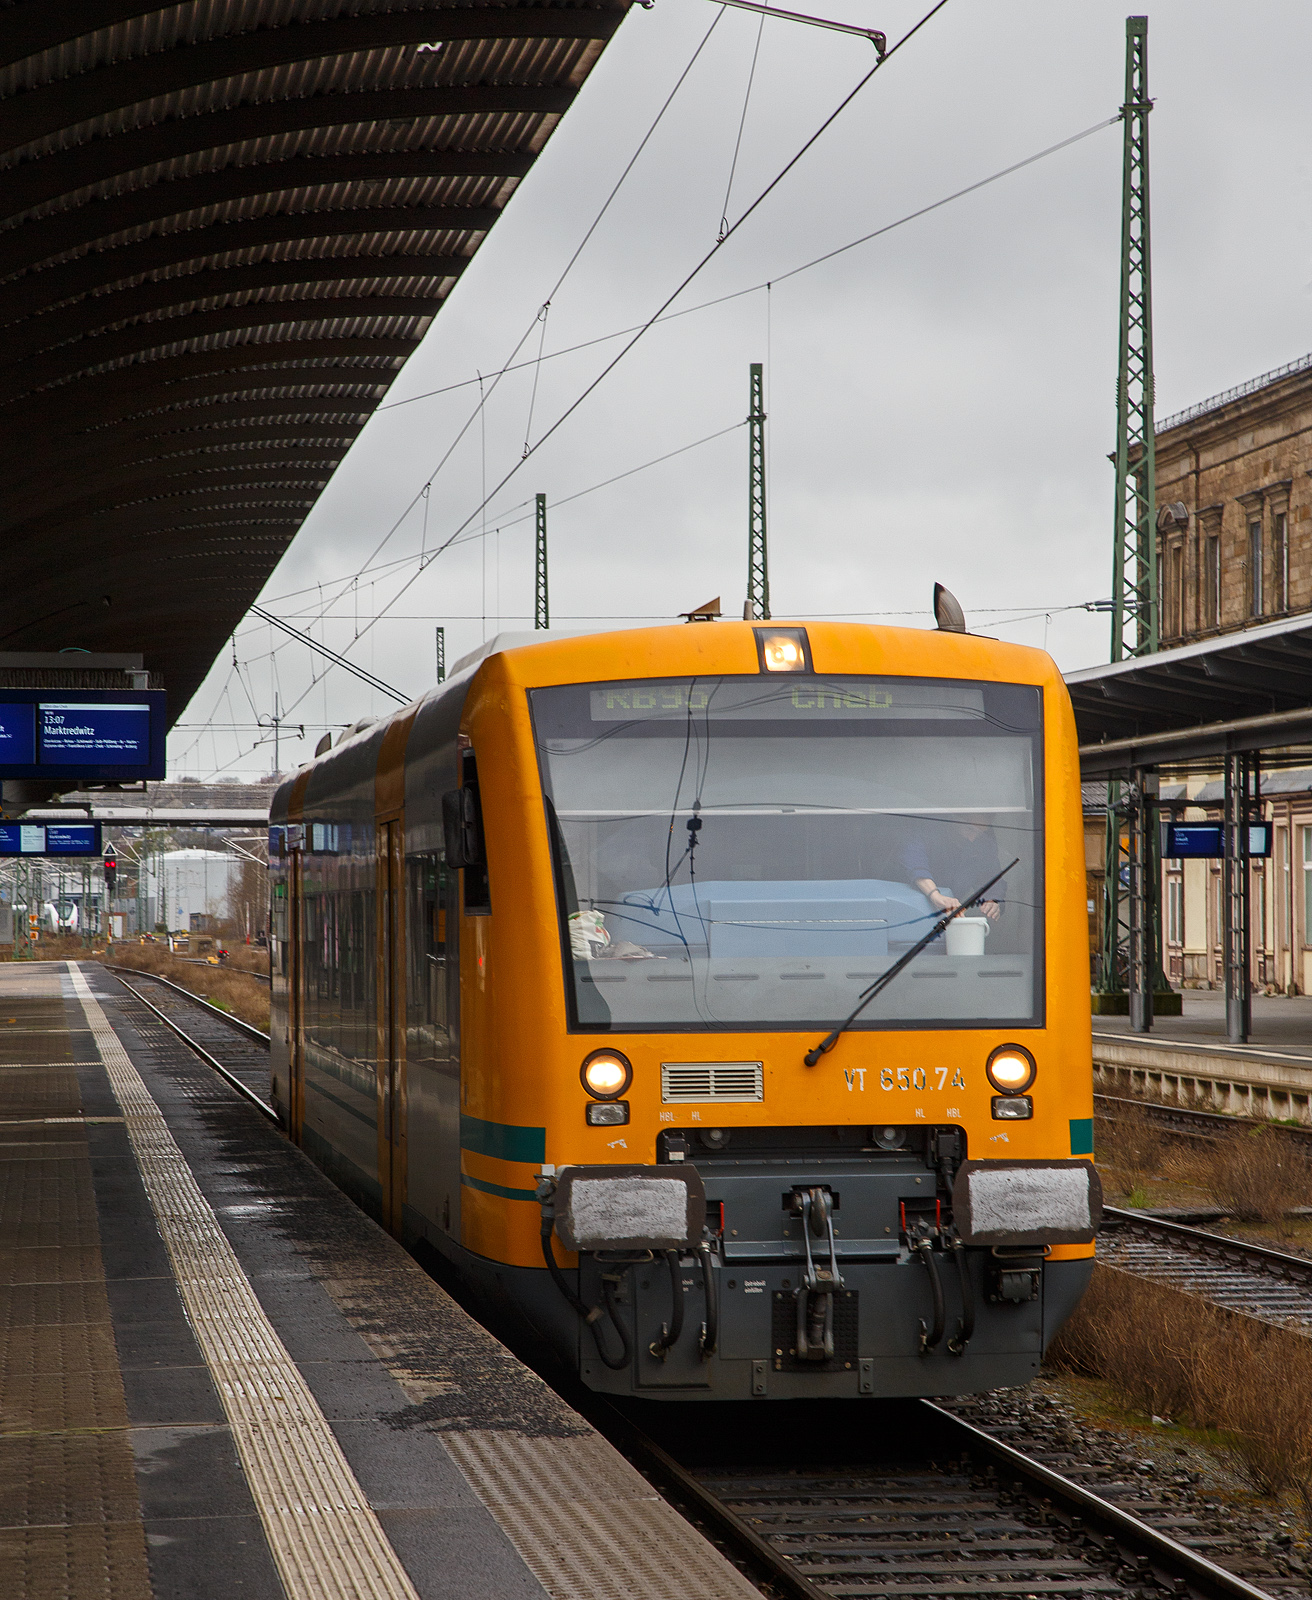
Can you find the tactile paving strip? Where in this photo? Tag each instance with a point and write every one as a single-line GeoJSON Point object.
{"type": "Point", "coordinates": [583, 1530]}
{"type": "Point", "coordinates": [325, 1538]}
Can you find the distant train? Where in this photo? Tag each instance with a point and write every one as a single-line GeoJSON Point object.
{"type": "Point", "coordinates": [60, 916]}
{"type": "Point", "coordinates": [714, 998]}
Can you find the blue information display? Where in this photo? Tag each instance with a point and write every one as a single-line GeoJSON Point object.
{"type": "Point", "coordinates": [79, 735]}
{"type": "Point", "coordinates": [1190, 840]}
{"type": "Point", "coordinates": [50, 839]}
{"type": "Point", "coordinates": [106, 735]}
{"type": "Point", "coordinates": [17, 735]}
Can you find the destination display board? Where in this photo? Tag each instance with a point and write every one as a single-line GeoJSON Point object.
{"type": "Point", "coordinates": [105, 735]}
{"type": "Point", "coordinates": [50, 839]}
{"type": "Point", "coordinates": [1186, 841]}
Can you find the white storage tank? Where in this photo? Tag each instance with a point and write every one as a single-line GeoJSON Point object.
{"type": "Point", "coordinates": [183, 883]}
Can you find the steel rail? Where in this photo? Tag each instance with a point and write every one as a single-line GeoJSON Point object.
{"type": "Point", "coordinates": [676, 1480]}
{"type": "Point", "coordinates": [1159, 1111]}
{"type": "Point", "coordinates": [1261, 1255]}
{"type": "Point", "coordinates": [1082, 1509]}
{"type": "Point", "coordinates": [228, 1077]}
{"type": "Point", "coordinates": [236, 1022]}
{"type": "Point", "coordinates": [1174, 1559]}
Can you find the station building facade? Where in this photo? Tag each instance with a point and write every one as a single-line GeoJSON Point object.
{"type": "Point", "coordinates": [1234, 497]}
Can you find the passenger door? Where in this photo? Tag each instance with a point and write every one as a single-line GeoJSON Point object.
{"type": "Point", "coordinates": [390, 867]}
{"type": "Point", "coordinates": [295, 999]}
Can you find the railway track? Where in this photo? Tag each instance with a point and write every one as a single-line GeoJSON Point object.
{"type": "Point", "coordinates": [1195, 1124]}
{"type": "Point", "coordinates": [932, 1507]}
{"type": "Point", "coordinates": [928, 1505]}
{"type": "Point", "coordinates": [238, 1052]}
{"type": "Point", "coordinates": [1248, 1278]}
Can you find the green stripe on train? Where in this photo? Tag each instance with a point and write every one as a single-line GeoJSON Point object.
{"type": "Point", "coordinates": [1081, 1136]}
{"type": "Point", "coordinates": [502, 1140]}
{"type": "Point", "coordinates": [497, 1189]}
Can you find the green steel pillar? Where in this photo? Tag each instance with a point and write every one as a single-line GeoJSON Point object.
{"type": "Point", "coordinates": [1134, 559]}
{"type": "Point", "coordinates": [439, 638]}
{"type": "Point", "coordinates": [541, 612]}
{"type": "Point", "coordinates": [1134, 530]}
{"type": "Point", "coordinates": [758, 565]}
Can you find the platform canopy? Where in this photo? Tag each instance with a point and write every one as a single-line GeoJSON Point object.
{"type": "Point", "coordinates": [224, 225]}
{"type": "Point", "coordinates": [1250, 690]}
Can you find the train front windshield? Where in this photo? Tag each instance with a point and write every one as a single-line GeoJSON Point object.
{"type": "Point", "coordinates": [739, 852]}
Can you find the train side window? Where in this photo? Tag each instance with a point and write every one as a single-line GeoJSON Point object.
{"type": "Point", "coordinates": [429, 888]}
{"type": "Point", "coordinates": [478, 892]}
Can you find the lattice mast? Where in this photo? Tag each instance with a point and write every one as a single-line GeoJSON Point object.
{"type": "Point", "coordinates": [757, 607]}
{"type": "Point", "coordinates": [541, 611]}
{"type": "Point", "coordinates": [1134, 559]}
{"type": "Point", "coordinates": [1127, 947]}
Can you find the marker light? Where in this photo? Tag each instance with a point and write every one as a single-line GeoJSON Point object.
{"type": "Point", "coordinates": [782, 649]}
{"type": "Point", "coordinates": [1012, 1108]}
{"type": "Point", "coordinates": [606, 1113]}
{"type": "Point", "coordinates": [1011, 1069]}
{"type": "Point", "coordinates": [606, 1074]}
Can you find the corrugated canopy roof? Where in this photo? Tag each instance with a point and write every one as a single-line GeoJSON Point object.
{"type": "Point", "coordinates": [1250, 690]}
{"type": "Point", "coordinates": [224, 225]}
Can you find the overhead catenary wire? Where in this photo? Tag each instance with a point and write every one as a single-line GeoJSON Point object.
{"type": "Point", "coordinates": [507, 366]}
{"type": "Point", "coordinates": [1050, 150]}
{"type": "Point", "coordinates": [766, 285]}
{"type": "Point", "coordinates": [782, 277]}
{"type": "Point", "coordinates": [591, 388]}
{"type": "Point", "coordinates": [742, 123]}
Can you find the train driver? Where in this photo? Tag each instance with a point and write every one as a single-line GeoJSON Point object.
{"type": "Point", "coordinates": [946, 860]}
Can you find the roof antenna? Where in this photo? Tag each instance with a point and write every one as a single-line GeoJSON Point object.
{"type": "Point", "coordinates": [947, 611]}
{"type": "Point", "coordinates": [703, 613]}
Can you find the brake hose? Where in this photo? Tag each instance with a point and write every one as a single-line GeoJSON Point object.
{"type": "Point", "coordinates": [966, 1327]}
{"type": "Point", "coordinates": [711, 1327]}
{"type": "Point", "coordinates": [929, 1339]}
{"type": "Point", "coordinates": [669, 1334]}
{"type": "Point", "coordinates": [590, 1314]}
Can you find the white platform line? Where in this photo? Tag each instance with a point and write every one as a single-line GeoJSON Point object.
{"type": "Point", "coordinates": [325, 1538]}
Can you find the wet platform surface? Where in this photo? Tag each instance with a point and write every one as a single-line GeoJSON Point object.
{"type": "Point", "coordinates": [1281, 1026]}
{"type": "Point", "coordinates": [217, 1377]}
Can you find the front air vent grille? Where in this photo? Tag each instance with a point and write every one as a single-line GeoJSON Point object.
{"type": "Point", "coordinates": [694, 1082]}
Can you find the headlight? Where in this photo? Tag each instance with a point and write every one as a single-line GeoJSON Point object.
{"type": "Point", "coordinates": [782, 649]}
{"type": "Point", "coordinates": [1011, 1069]}
{"type": "Point", "coordinates": [782, 653]}
{"type": "Point", "coordinates": [606, 1074]}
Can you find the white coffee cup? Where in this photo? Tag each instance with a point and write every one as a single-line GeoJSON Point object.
{"type": "Point", "coordinates": [966, 935]}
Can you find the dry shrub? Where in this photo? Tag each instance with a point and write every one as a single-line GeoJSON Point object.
{"type": "Point", "coordinates": [248, 958]}
{"type": "Point", "coordinates": [1170, 1354]}
{"type": "Point", "coordinates": [245, 996]}
{"type": "Point", "coordinates": [1258, 1174]}
{"type": "Point", "coordinates": [1131, 1146]}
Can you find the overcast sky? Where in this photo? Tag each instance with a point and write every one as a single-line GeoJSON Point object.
{"type": "Point", "coordinates": [941, 399]}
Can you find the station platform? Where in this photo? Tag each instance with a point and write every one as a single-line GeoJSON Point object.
{"type": "Point", "coordinates": [218, 1377]}
{"type": "Point", "coordinates": [1282, 1026]}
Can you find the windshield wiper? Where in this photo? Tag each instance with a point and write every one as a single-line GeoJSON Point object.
{"type": "Point", "coordinates": [885, 978]}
